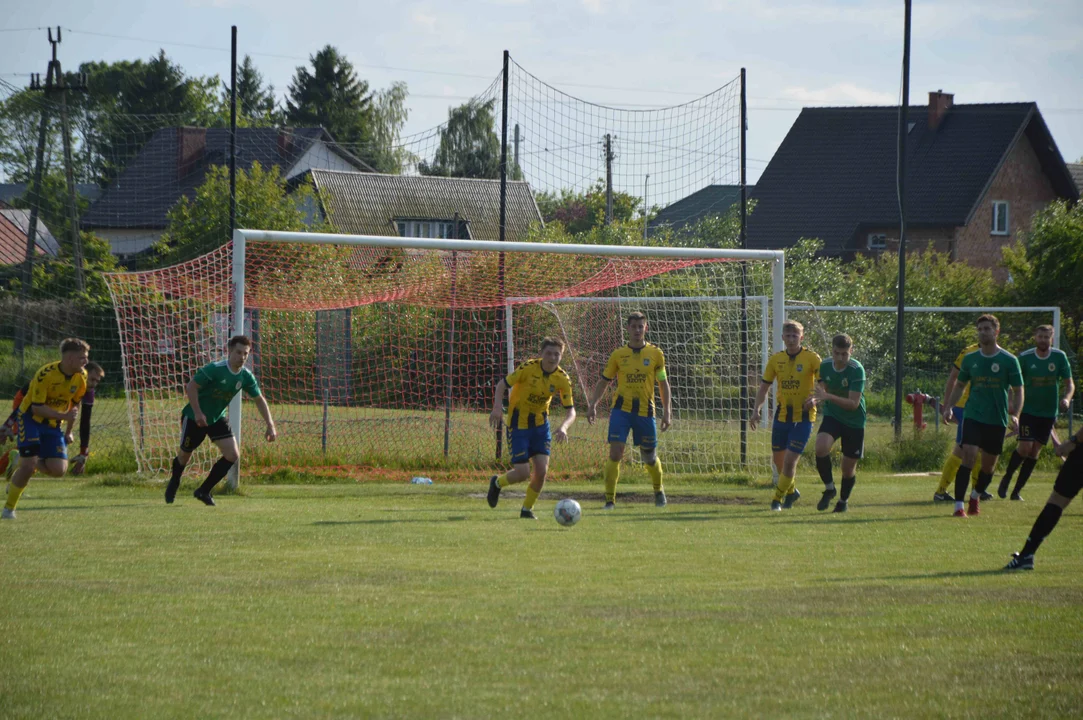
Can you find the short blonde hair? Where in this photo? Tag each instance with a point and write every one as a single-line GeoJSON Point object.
{"type": "Point", "coordinates": [552, 342]}
{"type": "Point", "coordinates": [73, 345]}
{"type": "Point", "coordinates": [793, 325]}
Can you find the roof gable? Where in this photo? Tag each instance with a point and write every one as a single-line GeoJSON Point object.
{"type": "Point", "coordinates": [711, 200]}
{"type": "Point", "coordinates": [14, 226]}
{"type": "Point", "coordinates": [369, 203]}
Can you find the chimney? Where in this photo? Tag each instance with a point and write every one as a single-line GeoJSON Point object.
{"type": "Point", "coordinates": [285, 143]}
{"type": "Point", "coordinates": [939, 104]}
{"type": "Point", "coordinates": [191, 146]}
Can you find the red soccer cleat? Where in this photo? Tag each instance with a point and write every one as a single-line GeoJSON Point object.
{"type": "Point", "coordinates": [959, 513]}
{"type": "Point", "coordinates": [972, 507]}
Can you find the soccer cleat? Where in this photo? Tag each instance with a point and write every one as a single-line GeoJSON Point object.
{"type": "Point", "coordinates": [6, 514]}
{"type": "Point", "coordinates": [943, 497]}
{"type": "Point", "coordinates": [203, 497]}
{"type": "Point", "coordinates": [840, 506]}
{"type": "Point", "coordinates": [776, 505]}
{"type": "Point", "coordinates": [1020, 562]}
{"type": "Point", "coordinates": [525, 514]}
{"type": "Point", "coordinates": [972, 507]}
{"type": "Point", "coordinates": [1002, 489]}
{"type": "Point", "coordinates": [985, 497]}
{"type": "Point", "coordinates": [610, 506]}
{"type": "Point", "coordinates": [171, 490]}
{"type": "Point", "coordinates": [959, 513]}
{"type": "Point", "coordinates": [494, 492]}
{"type": "Point", "coordinates": [660, 498]}
{"type": "Point", "coordinates": [825, 499]}
{"type": "Point", "coordinates": [791, 499]}
{"type": "Point", "coordinates": [1016, 497]}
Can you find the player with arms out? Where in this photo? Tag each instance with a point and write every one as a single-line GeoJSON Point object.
{"type": "Point", "coordinates": [51, 399]}
{"type": "Point", "coordinates": [796, 369]}
{"type": "Point", "coordinates": [840, 393]}
{"type": "Point", "coordinates": [1044, 368]}
{"type": "Point", "coordinates": [209, 394]}
{"type": "Point", "coordinates": [996, 396]}
{"type": "Point", "coordinates": [958, 413]}
{"type": "Point", "coordinates": [533, 385]}
{"type": "Point", "coordinates": [636, 367]}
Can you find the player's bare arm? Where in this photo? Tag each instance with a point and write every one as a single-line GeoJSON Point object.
{"type": "Point", "coordinates": [561, 433]}
{"type": "Point", "coordinates": [667, 405]}
{"type": "Point", "coordinates": [596, 393]}
{"type": "Point", "coordinates": [1069, 393]}
{"type": "Point", "coordinates": [496, 417]}
{"type": "Point", "coordinates": [192, 391]}
{"type": "Point", "coordinates": [761, 397]}
{"type": "Point", "coordinates": [47, 412]}
{"type": "Point", "coordinates": [820, 395]}
{"type": "Point", "coordinates": [1015, 404]}
{"type": "Point", "coordinates": [265, 413]}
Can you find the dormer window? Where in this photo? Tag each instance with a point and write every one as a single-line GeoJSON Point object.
{"type": "Point", "coordinates": [444, 229]}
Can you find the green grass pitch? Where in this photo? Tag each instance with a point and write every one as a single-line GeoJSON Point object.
{"type": "Point", "coordinates": [394, 600]}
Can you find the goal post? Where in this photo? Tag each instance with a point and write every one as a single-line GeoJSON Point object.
{"type": "Point", "coordinates": [384, 351]}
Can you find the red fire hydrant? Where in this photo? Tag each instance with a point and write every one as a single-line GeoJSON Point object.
{"type": "Point", "coordinates": [918, 400]}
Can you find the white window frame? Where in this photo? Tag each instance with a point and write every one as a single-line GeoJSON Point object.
{"type": "Point", "coordinates": [1006, 230]}
{"type": "Point", "coordinates": [876, 241]}
{"type": "Point", "coordinates": [426, 228]}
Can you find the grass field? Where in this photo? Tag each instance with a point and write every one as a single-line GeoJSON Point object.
{"type": "Point", "coordinates": [381, 599]}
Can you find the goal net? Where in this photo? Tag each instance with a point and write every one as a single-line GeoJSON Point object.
{"type": "Point", "coordinates": [385, 352]}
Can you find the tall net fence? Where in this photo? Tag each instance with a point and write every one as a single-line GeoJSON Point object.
{"type": "Point", "coordinates": [389, 356]}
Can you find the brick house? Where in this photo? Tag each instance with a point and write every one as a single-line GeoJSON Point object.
{"type": "Point", "coordinates": [975, 176]}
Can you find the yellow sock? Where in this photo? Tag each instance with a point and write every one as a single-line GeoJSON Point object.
{"type": "Point", "coordinates": [786, 486]}
{"type": "Point", "coordinates": [947, 475]}
{"type": "Point", "coordinates": [531, 498]}
{"type": "Point", "coordinates": [14, 493]}
{"type": "Point", "coordinates": [502, 481]}
{"type": "Point", "coordinates": [655, 471]}
{"type": "Point", "coordinates": [612, 474]}
{"type": "Point", "coordinates": [974, 471]}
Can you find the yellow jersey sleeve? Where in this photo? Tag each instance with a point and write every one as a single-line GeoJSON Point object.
{"type": "Point", "coordinates": [51, 387]}
{"type": "Point", "coordinates": [612, 366]}
{"type": "Point", "coordinates": [769, 372]}
{"type": "Point", "coordinates": [564, 388]}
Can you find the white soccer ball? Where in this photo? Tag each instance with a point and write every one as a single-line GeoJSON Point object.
{"type": "Point", "coordinates": [567, 512]}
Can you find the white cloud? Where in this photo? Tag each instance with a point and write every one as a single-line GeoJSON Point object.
{"type": "Point", "coordinates": [593, 6]}
{"type": "Point", "coordinates": [424, 20]}
{"type": "Point", "coordinates": [840, 94]}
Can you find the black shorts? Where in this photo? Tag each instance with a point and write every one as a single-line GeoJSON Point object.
{"type": "Point", "coordinates": [853, 439]}
{"type": "Point", "coordinates": [1070, 478]}
{"type": "Point", "coordinates": [1035, 429]}
{"type": "Point", "coordinates": [192, 434]}
{"type": "Point", "coordinates": [990, 438]}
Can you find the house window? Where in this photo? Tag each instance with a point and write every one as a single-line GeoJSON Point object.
{"type": "Point", "coordinates": [444, 229]}
{"type": "Point", "coordinates": [1000, 217]}
{"type": "Point", "coordinates": [877, 241]}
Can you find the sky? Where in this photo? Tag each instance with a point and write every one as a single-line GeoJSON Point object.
{"type": "Point", "coordinates": [618, 53]}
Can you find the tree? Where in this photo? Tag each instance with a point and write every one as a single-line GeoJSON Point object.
{"type": "Point", "coordinates": [579, 212]}
{"type": "Point", "coordinates": [255, 104]}
{"type": "Point", "coordinates": [200, 225]}
{"type": "Point", "coordinates": [390, 114]}
{"type": "Point", "coordinates": [469, 146]}
{"type": "Point", "coordinates": [20, 118]}
{"type": "Point", "coordinates": [1047, 264]}
{"type": "Point", "coordinates": [332, 97]}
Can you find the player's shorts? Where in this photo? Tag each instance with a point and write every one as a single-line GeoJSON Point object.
{"type": "Point", "coordinates": [1070, 478]}
{"type": "Point", "coordinates": [1035, 429]}
{"type": "Point", "coordinates": [644, 430]}
{"type": "Point", "coordinates": [989, 438]}
{"type": "Point", "coordinates": [790, 435]}
{"type": "Point", "coordinates": [192, 435]}
{"type": "Point", "coordinates": [959, 414]}
{"type": "Point", "coordinates": [853, 439]}
{"type": "Point", "coordinates": [41, 440]}
{"type": "Point", "coordinates": [526, 443]}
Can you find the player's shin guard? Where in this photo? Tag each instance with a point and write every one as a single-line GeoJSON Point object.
{"type": "Point", "coordinates": [218, 471]}
{"type": "Point", "coordinates": [984, 480]}
{"type": "Point", "coordinates": [847, 488]}
{"type": "Point", "coordinates": [786, 486]}
{"type": "Point", "coordinates": [612, 474]}
{"type": "Point", "coordinates": [1024, 474]}
{"type": "Point", "coordinates": [655, 471]}
{"type": "Point", "coordinates": [823, 466]}
{"type": "Point", "coordinates": [962, 480]}
{"type": "Point", "coordinates": [14, 493]}
{"type": "Point", "coordinates": [1047, 520]}
{"type": "Point", "coordinates": [531, 498]}
{"type": "Point", "coordinates": [951, 468]}
{"type": "Point", "coordinates": [975, 472]}
{"type": "Point", "coordinates": [502, 481]}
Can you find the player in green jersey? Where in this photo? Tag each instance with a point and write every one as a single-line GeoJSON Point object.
{"type": "Point", "coordinates": [1044, 370]}
{"type": "Point", "coordinates": [840, 393]}
{"type": "Point", "coordinates": [209, 394]}
{"type": "Point", "coordinates": [996, 396]}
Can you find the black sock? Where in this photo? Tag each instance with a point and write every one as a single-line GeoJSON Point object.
{"type": "Point", "coordinates": [847, 487]}
{"type": "Point", "coordinates": [1024, 474]}
{"type": "Point", "coordinates": [1047, 520]}
{"type": "Point", "coordinates": [216, 474]}
{"type": "Point", "coordinates": [823, 466]}
{"type": "Point", "coordinates": [1013, 465]}
{"type": "Point", "coordinates": [178, 470]}
{"type": "Point", "coordinates": [962, 481]}
{"type": "Point", "coordinates": [984, 480]}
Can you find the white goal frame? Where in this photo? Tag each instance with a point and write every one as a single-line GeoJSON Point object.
{"type": "Point", "coordinates": [241, 237]}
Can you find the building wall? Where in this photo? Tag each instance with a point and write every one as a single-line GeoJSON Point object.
{"type": "Point", "coordinates": [321, 157]}
{"type": "Point", "coordinates": [917, 239]}
{"type": "Point", "coordinates": [1026, 189]}
{"type": "Point", "coordinates": [126, 241]}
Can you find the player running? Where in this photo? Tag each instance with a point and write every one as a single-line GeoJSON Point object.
{"type": "Point", "coordinates": [840, 393]}
{"type": "Point", "coordinates": [958, 413]}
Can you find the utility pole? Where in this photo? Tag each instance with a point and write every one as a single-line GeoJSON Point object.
{"type": "Point", "coordinates": [900, 319]}
{"type": "Point", "coordinates": [608, 179]}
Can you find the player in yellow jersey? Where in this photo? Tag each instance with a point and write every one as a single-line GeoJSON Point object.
{"type": "Point", "coordinates": [955, 460]}
{"type": "Point", "coordinates": [796, 369]}
{"type": "Point", "coordinates": [53, 398]}
{"type": "Point", "coordinates": [636, 367]}
{"type": "Point", "coordinates": [533, 385]}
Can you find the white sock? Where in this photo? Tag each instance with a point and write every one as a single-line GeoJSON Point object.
{"type": "Point", "coordinates": [830, 485]}
{"type": "Point", "coordinates": [973, 494]}
{"type": "Point", "coordinates": [958, 504]}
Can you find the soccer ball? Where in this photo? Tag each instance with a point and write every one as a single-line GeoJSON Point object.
{"type": "Point", "coordinates": [567, 512]}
